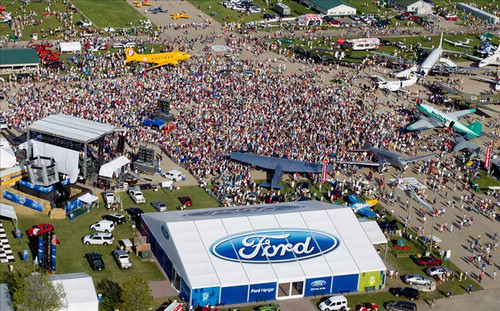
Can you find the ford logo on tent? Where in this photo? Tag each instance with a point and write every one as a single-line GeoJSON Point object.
{"type": "Point", "coordinates": [318, 283]}
{"type": "Point", "coordinates": [274, 245]}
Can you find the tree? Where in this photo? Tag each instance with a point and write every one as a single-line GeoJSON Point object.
{"type": "Point", "coordinates": [111, 293]}
{"type": "Point", "coordinates": [136, 295]}
{"type": "Point", "coordinates": [38, 293]}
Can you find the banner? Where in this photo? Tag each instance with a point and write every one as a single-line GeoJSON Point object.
{"type": "Point", "coordinates": [487, 159]}
{"type": "Point", "coordinates": [323, 172]}
{"type": "Point", "coordinates": [19, 199]}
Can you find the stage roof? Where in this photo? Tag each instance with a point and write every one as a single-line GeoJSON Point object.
{"type": "Point", "coordinates": [71, 128]}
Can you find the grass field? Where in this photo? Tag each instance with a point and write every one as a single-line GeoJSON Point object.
{"type": "Point", "coordinates": [484, 181]}
{"type": "Point", "coordinates": [71, 252]}
{"type": "Point", "coordinates": [109, 13]}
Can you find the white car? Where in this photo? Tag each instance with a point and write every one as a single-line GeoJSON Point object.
{"type": "Point", "coordinates": [334, 303]}
{"type": "Point", "coordinates": [118, 45]}
{"type": "Point", "coordinates": [98, 238]}
{"type": "Point", "coordinates": [103, 226]}
{"type": "Point", "coordinates": [3, 124]}
{"type": "Point", "coordinates": [122, 259]}
{"type": "Point", "coordinates": [130, 44]}
{"type": "Point", "coordinates": [400, 45]}
{"type": "Point", "coordinates": [254, 9]}
{"type": "Point", "coordinates": [174, 175]}
{"type": "Point", "coordinates": [137, 196]}
{"type": "Point", "coordinates": [435, 271]}
{"type": "Point", "coordinates": [417, 279]}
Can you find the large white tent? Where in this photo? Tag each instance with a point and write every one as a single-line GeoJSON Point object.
{"type": "Point", "coordinates": [264, 252]}
{"type": "Point", "coordinates": [7, 156]}
{"type": "Point", "coordinates": [80, 291]}
{"type": "Point", "coordinates": [113, 166]}
{"type": "Point", "coordinates": [70, 47]}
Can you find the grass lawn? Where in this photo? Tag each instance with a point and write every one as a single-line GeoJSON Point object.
{"type": "Point", "coordinates": [484, 181]}
{"type": "Point", "coordinates": [46, 23]}
{"type": "Point", "coordinates": [109, 13]}
{"type": "Point", "coordinates": [71, 252]}
{"type": "Point", "coordinates": [224, 14]}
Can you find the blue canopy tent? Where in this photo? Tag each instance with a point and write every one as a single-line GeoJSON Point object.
{"type": "Point", "coordinates": [158, 123]}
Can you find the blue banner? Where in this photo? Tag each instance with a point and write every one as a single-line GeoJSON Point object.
{"type": "Point", "coordinates": [318, 286]}
{"type": "Point", "coordinates": [262, 292]}
{"type": "Point", "coordinates": [53, 258]}
{"type": "Point", "coordinates": [73, 205]}
{"type": "Point", "coordinates": [19, 199]}
{"type": "Point", "coordinates": [204, 296]}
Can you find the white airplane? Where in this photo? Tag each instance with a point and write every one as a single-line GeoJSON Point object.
{"type": "Point", "coordinates": [395, 85]}
{"type": "Point", "coordinates": [464, 44]}
{"type": "Point", "coordinates": [493, 59]}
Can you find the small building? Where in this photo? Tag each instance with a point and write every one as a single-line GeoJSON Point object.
{"type": "Point", "coordinates": [331, 7]}
{"type": "Point", "coordinates": [485, 16]}
{"type": "Point", "coordinates": [419, 7]}
{"type": "Point", "coordinates": [19, 59]}
{"type": "Point", "coordinates": [80, 291]}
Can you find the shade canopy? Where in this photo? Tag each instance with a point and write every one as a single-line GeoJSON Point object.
{"type": "Point", "coordinates": [88, 198]}
{"type": "Point", "coordinates": [113, 166]}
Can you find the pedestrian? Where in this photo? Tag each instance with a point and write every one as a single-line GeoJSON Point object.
{"type": "Point", "coordinates": [494, 275]}
{"type": "Point", "coordinates": [470, 289]}
{"type": "Point", "coordinates": [465, 274]}
{"type": "Point", "coordinates": [433, 303]}
{"type": "Point", "coordinates": [461, 276]}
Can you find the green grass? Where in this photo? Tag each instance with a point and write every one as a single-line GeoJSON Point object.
{"type": "Point", "coordinates": [227, 15]}
{"type": "Point", "coordinates": [484, 181]}
{"type": "Point", "coordinates": [71, 252]}
{"type": "Point", "coordinates": [109, 13]}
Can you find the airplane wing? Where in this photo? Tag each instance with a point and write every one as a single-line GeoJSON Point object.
{"type": "Point", "coordinates": [366, 212]}
{"type": "Point", "coordinates": [474, 57]}
{"type": "Point", "coordinates": [164, 63]}
{"type": "Point", "coordinates": [421, 201]}
{"type": "Point", "coordinates": [483, 79]}
{"type": "Point", "coordinates": [462, 113]}
{"type": "Point", "coordinates": [462, 143]}
{"type": "Point", "coordinates": [399, 59]}
{"type": "Point", "coordinates": [411, 160]}
{"type": "Point", "coordinates": [360, 163]}
{"type": "Point", "coordinates": [446, 87]}
{"type": "Point", "coordinates": [353, 199]}
{"type": "Point", "coordinates": [422, 124]}
{"type": "Point", "coordinates": [271, 163]}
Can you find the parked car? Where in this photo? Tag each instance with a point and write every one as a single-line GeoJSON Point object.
{"type": "Point", "coordinates": [275, 307]}
{"type": "Point", "coordinates": [408, 14]}
{"type": "Point", "coordinates": [334, 303]}
{"type": "Point", "coordinates": [103, 226]}
{"type": "Point", "coordinates": [408, 292]}
{"type": "Point", "coordinates": [428, 261]}
{"type": "Point", "coordinates": [302, 199]}
{"type": "Point", "coordinates": [354, 17]}
{"type": "Point", "coordinates": [116, 218]}
{"type": "Point", "coordinates": [39, 229]}
{"type": "Point", "coordinates": [369, 306]}
{"type": "Point", "coordinates": [109, 198]}
{"type": "Point", "coordinates": [269, 16]}
{"type": "Point", "coordinates": [95, 261]}
{"type": "Point", "coordinates": [137, 196]}
{"type": "Point", "coordinates": [122, 259]}
{"type": "Point", "coordinates": [400, 45]}
{"type": "Point", "coordinates": [401, 306]}
{"type": "Point", "coordinates": [451, 17]}
{"type": "Point", "coordinates": [414, 18]}
{"type": "Point", "coordinates": [159, 206]}
{"type": "Point", "coordinates": [252, 196]}
{"type": "Point", "coordinates": [435, 271]}
{"type": "Point", "coordinates": [417, 279]}
{"type": "Point", "coordinates": [98, 238]}
{"type": "Point", "coordinates": [134, 212]}
{"type": "Point", "coordinates": [186, 201]}
{"type": "Point", "coordinates": [174, 175]}
{"type": "Point", "coordinates": [386, 42]}
{"type": "Point", "coordinates": [304, 187]}
{"type": "Point", "coordinates": [388, 225]}
{"type": "Point", "coordinates": [3, 124]}
{"type": "Point", "coordinates": [118, 45]}
{"type": "Point", "coordinates": [401, 17]}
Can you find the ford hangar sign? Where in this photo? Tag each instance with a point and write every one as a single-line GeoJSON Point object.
{"type": "Point", "coordinates": [274, 245]}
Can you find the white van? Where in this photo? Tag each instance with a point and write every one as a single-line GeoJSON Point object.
{"type": "Point", "coordinates": [103, 226]}
{"type": "Point", "coordinates": [174, 175]}
{"type": "Point", "coordinates": [334, 303]}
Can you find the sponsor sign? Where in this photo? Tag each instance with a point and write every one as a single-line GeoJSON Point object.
{"type": "Point", "coordinates": [487, 159]}
{"type": "Point", "coordinates": [274, 245]}
{"type": "Point", "coordinates": [318, 286]}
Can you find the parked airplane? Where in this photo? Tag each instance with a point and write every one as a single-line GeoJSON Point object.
{"type": "Point", "coordinates": [362, 208]}
{"type": "Point", "coordinates": [160, 59]}
{"type": "Point", "coordinates": [474, 101]}
{"type": "Point", "coordinates": [436, 118]}
{"type": "Point", "coordinates": [157, 10]}
{"type": "Point", "coordinates": [462, 143]}
{"type": "Point", "coordinates": [278, 165]}
{"type": "Point", "coordinates": [386, 159]}
{"type": "Point", "coordinates": [464, 44]}
{"type": "Point", "coordinates": [395, 85]}
{"type": "Point", "coordinates": [495, 82]}
{"type": "Point", "coordinates": [493, 59]}
{"type": "Point", "coordinates": [179, 15]}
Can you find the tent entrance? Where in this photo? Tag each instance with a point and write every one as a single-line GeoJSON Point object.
{"type": "Point", "coordinates": [176, 284]}
{"type": "Point", "coordinates": [290, 289]}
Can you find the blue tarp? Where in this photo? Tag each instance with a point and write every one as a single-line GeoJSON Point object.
{"type": "Point", "coordinates": [157, 122]}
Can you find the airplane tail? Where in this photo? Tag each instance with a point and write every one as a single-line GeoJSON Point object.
{"type": "Point", "coordinates": [476, 128]}
{"type": "Point", "coordinates": [131, 55]}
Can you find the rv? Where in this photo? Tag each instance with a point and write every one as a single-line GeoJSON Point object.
{"type": "Point", "coordinates": [364, 44]}
{"type": "Point", "coordinates": [282, 9]}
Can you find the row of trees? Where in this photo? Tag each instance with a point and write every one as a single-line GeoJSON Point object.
{"type": "Point", "coordinates": [34, 291]}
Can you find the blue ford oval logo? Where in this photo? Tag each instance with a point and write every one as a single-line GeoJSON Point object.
{"type": "Point", "coordinates": [274, 245]}
{"type": "Point", "coordinates": [318, 283]}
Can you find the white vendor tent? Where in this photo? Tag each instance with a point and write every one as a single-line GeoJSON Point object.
{"type": "Point", "coordinates": [373, 231]}
{"type": "Point", "coordinates": [70, 47]}
{"type": "Point", "coordinates": [88, 198]}
{"type": "Point", "coordinates": [7, 156]}
{"type": "Point", "coordinates": [8, 211]}
{"type": "Point", "coordinates": [80, 291]}
{"type": "Point", "coordinates": [113, 166]}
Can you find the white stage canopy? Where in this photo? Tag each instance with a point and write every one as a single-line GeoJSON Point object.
{"type": "Point", "coordinates": [113, 166]}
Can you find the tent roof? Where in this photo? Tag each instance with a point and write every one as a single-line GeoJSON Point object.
{"type": "Point", "coordinates": [71, 128]}
{"type": "Point", "coordinates": [5, 301]}
{"type": "Point", "coordinates": [88, 198]}
{"type": "Point", "coordinates": [7, 157]}
{"type": "Point", "coordinates": [18, 57]}
{"type": "Point", "coordinates": [80, 291]}
{"type": "Point", "coordinates": [8, 211]}
{"type": "Point", "coordinates": [70, 46]}
{"type": "Point", "coordinates": [373, 231]}
{"type": "Point", "coordinates": [107, 169]}
{"type": "Point", "coordinates": [192, 233]}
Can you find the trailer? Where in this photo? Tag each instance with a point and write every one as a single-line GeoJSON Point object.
{"type": "Point", "coordinates": [282, 9]}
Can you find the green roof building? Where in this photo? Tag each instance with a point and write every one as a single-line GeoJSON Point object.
{"type": "Point", "coordinates": [331, 7]}
{"type": "Point", "coordinates": [18, 58]}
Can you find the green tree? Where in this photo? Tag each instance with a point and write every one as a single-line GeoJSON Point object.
{"type": "Point", "coordinates": [111, 293]}
{"type": "Point", "coordinates": [136, 295]}
{"type": "Point", "coordinates": [36, 292]}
